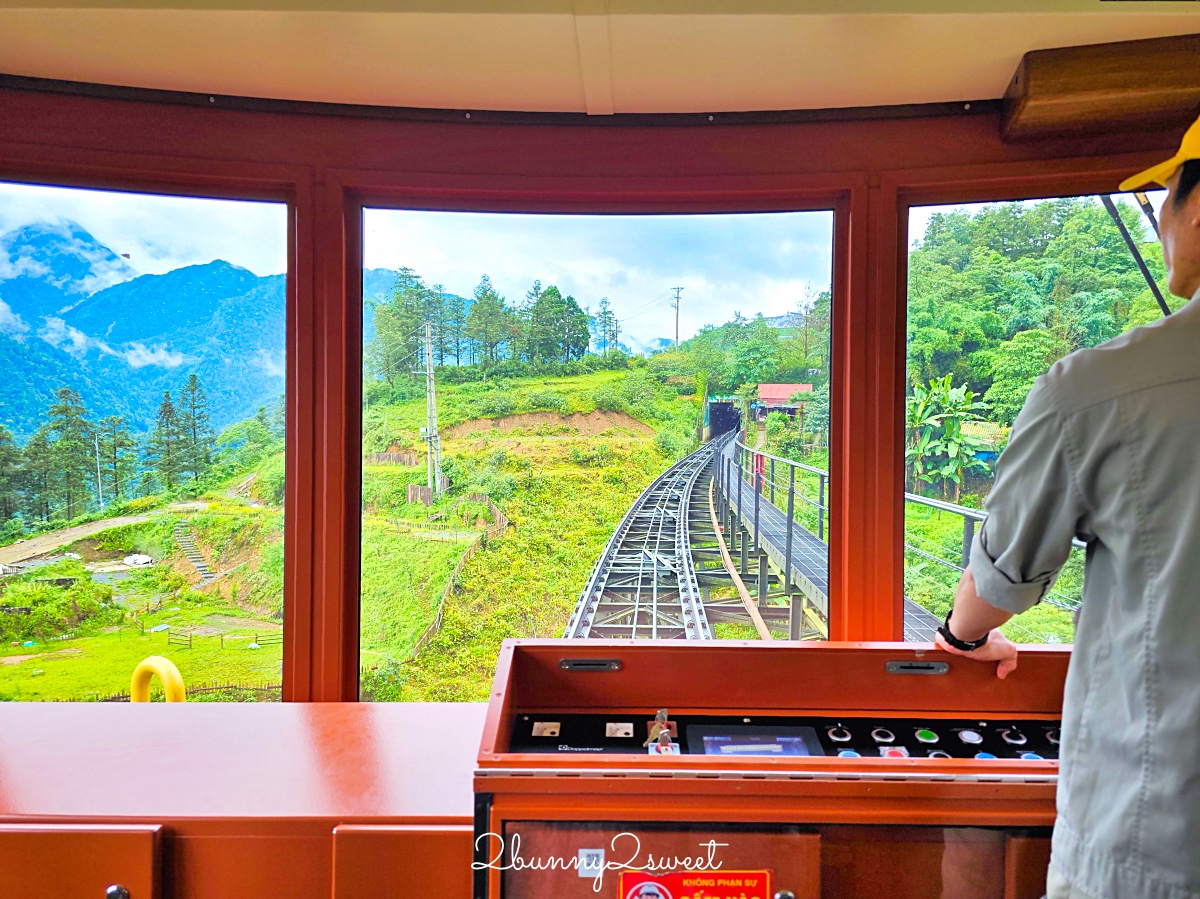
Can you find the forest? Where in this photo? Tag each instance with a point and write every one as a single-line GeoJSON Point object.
{"type": "Point", "coordinates": [75, 464]}
{"type": "Point", "coordinates": [995, 297]}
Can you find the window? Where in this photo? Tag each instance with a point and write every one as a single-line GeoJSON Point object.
{"type": "Point", "coordinates": [141, 442]}
{"type": "Point", "coordinates": [996, 294]}
{"type": "Point", "coordinates": [589, 376]}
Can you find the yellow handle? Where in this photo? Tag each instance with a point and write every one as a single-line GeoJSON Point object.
{"type": "Point", "coordinates": [139, 689]}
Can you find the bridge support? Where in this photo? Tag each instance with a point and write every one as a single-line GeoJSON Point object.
{"type": "Point", "coordinates": [764, 579]}
{"type": "Point", "coordinates": [744, 549]}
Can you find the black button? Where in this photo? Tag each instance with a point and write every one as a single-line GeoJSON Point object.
{"type": "Point", "coordinates": [839, 734]}
{"type": "Point", "coordinates": [883, 735]}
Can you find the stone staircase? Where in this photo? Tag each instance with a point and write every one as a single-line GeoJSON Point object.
{"type": "Point", "coordinates": [183, 537]}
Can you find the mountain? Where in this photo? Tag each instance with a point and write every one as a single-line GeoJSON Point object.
{"type": "Point", "coordinates": [73, 314]}
{"type": "Point", "coordinates": [46, 268]}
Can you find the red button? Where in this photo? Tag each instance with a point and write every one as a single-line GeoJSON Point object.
{"type": "Point", "coordinates": [895, 753]}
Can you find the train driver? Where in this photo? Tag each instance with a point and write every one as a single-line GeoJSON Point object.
{"type": "Point", "coordinates": [1107, 449]}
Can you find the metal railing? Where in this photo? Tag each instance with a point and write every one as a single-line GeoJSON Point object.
{"type": "Point", "coordinates": [763, 470]}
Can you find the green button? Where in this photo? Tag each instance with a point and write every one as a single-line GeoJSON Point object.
{"type": "Point", "coordinates": [927, 736]}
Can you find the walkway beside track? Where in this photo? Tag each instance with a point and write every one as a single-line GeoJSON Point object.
{"type": "Point", "coordinates": [809, 568]}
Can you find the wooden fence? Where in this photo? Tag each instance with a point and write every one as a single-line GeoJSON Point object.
{"type": "Point", "coordinates": [498, 526]}
{"type": "Point", "coordinates": [260, 690]}
{"type": "Point", "coordinates": [409, 459]}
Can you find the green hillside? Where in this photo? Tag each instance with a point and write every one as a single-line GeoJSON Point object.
{"type": "Point", "coordinates": [564, 462]}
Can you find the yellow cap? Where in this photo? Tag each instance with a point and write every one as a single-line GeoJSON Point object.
{"type": "Point", "coordinates": [1189, 149]}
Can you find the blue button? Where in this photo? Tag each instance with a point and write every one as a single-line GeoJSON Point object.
{"type": "Point", "coordinates": [848, 754]}
{"type": "Point", "coordinates": [984, 755]}
{"type": "Point", "coordinates": [1031, 756]}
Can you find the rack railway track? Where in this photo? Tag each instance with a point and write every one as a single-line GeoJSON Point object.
{"type": "Point", "coordinates": [644, 585]}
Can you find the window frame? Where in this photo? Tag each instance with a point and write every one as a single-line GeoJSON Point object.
{"type": "Point", "coordinates": [328, 166]}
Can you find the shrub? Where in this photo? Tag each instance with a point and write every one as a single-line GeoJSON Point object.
{"type": "Point", "coordinates": [54, 611]}
{"type": "Point", "coordinates": [608, 399]}
{"type": "Point", "coordinates": [549, 401]}
{"type": "Point", "coordinates": [269, 486]}
{"type": "Point", "coordinates": [497, 403]}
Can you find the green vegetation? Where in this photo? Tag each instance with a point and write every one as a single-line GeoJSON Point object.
{"type": "Point", "coordinates": [995, 298]}
{"type": "Point", "coordinates": [76, 628]}
{"type": "Point", "coordinates": [564, 506]}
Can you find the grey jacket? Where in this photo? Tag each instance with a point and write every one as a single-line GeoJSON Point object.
{"type": "Point", "coordinates": [1107, 449]}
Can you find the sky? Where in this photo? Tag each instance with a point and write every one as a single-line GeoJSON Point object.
{"type": "Point", "coordinates": [159, 233]}
{"type": "Point", "coordinates": [750, 263]}
{"type": "Point", "coordinates": [919, 216]}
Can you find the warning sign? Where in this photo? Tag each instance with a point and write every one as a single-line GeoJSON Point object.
{"type": "Point", "coordinates": [696, 885]}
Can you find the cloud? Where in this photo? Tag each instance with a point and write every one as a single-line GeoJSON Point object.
{"type": "Point", "coordinates": [160, 233]}
{"type": "Point", "coordinates": [138, 355]}
{"type": "Point", "coordinates": [759, 262]}
{"type": "Point", "coordinates": [21, 266]}
{"type": "Point", "coordinates": [274, 365]}
{"type": "Point", "coordinates": [62, 336]}
{"type": "Point", "coordinates": [12, 324]}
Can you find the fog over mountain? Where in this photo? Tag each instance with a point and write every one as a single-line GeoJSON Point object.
{"type": "Point", "coordinates": [74, 314]}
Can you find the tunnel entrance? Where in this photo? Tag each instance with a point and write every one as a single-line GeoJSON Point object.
{"type": "Point", "coordinates": [722, 416]}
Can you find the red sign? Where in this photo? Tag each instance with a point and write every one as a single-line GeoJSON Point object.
{"type": "Point", "coordinates": [696, 885]}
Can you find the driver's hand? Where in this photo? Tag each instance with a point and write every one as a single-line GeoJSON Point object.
{"type": "Point", "coordinates": [998, 649]}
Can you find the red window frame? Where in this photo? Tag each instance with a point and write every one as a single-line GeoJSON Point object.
{"type": "Point", "coordinates": [327, 167]}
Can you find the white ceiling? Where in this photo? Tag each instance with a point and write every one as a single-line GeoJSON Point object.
{"type": "Point", "coordinates": [596, 56]}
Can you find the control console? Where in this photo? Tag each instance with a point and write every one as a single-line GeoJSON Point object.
{"type": "Point", "coordinates": [778, 736]}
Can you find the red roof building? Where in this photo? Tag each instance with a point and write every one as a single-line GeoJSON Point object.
{"type": "Point", "coordinates": [781, 394]}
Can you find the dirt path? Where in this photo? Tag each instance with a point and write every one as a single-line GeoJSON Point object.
{"type": "Point", "coordinates": [762, 438]}
{"type": "Point", "coordinates": [44, 543]}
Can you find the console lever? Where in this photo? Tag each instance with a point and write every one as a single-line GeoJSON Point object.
{"type": "Point", "coordinates": [659, 728]}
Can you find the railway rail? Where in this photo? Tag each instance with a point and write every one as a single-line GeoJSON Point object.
{"type": "Point", "coordinates": [644, 585]}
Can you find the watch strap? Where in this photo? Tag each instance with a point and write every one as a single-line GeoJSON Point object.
{"type": "Point", "coordinates": [960, 645]}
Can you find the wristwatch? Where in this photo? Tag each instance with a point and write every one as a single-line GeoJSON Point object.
{"type": "Point", "coordinates": [961, 645]}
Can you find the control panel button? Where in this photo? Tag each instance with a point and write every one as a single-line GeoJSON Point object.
{"type": "Point", "coordinates": [925, 735]}
{"type": "Point", "coordinates": [938, 754]}
{"type": "Point", "coordinates": [970, 737]}
{"type": "Point", "coordinates": [893, 752]}
{"type": "Point", "coordinates": [1031, 756]}
{"type": "Point", "coordinates": [984, 755]}
{"type": "Point", "coordinates": [883, 735]}
{"type": "Point", "coordinates": [1052, 736]}
{"type": "Point", "coordinates": [839, 734]}
{"type": "Point", "coordinates": [1013, 736]}
{"type": "Point", "coordinates": [848, 754]}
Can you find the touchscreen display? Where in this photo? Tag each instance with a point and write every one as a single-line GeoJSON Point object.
{"type": "Point", "coordinates": [705, 739]}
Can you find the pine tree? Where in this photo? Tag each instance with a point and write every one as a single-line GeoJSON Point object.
{"type": "Point", "coordinates": [37, 475]}
{"type": "Point", "coordinates": [490, 322]}
{"type": "Point", "coordinates": [435, 314]}
{"type": "Point", "coordinates": [399, 328]}
{"type": "Point", "coordinates": [604, 320]}
{"type": "Point", "coordinates": [454, 332]}
{"type": "Point", "coordinates": [195, 427]}
{"type": "Point", "coordinates": [575, 330]}
{"type": "Point", "coordinates": [164, 450]}
{"type": "Point", "coordinates": [117, 463]}
{"type": "Point", "coordinates": [10, 472]}
{"type": "Point", "coordinates": [73, 451]}
{"type": "Point", "coordinates": [278, 428]}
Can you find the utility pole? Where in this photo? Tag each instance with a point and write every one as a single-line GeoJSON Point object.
{"type": "Point", "coordinates": [434, 458]}
{"type": "Point", "coordinates": [99, 486]}
{"type": "Point", "coordinates": [675, 303]}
